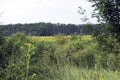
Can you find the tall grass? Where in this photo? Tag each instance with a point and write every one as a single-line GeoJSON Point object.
{"type": "Point", "coordinates": [71, 72]}
{"type": "Point", "coordinates": [77, 59]}
{"type": "Point", "coordinates": [65, 58]}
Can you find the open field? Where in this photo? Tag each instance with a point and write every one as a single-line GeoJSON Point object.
{"type": "Point", "coordinates": [81, 48]}
{"type": "Point", "coordinates": [55, 38]}
{"type": "Point", "coordinates": [58, 57]}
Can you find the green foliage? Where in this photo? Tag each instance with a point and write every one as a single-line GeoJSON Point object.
{"type": "Point", "coordinates": [109, 51]}
{"type": "Point", "coordinates": [68, 72]}
{"type": "Point", "coordinates": [45, 29]}
{"type": "Point", "coordinates": [108, 12]}
{"type": "Point", "coordinates": [17, 51]}
{"type": "Point", "coordinates": [3, 55]}
{"type": "Point", "coordinates": [76, 58]}
{"type": "Point", "coordinates": [61, 39]}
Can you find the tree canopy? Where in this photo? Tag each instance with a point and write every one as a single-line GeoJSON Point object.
{"type": "Point", "coordinates": [47, 29]}
{"type": "Point", "coordinates": [109, 12]}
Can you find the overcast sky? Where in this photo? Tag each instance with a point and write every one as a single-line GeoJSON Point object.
{"type": "Point", "coordinates": [54, 11]}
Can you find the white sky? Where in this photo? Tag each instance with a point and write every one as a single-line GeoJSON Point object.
{"type": "Point", "coordinates": [54, 11]}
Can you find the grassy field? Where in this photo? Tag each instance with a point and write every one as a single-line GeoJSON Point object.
{"type": "Point", "coordinates": [55, 38]}
{"type": "Point", "coordinates": [86, 47]}
{"type": "Point", "coordinates": [58, 57]}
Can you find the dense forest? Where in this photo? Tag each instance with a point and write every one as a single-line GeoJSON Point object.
{"type": "Point", "coordinates": [48, 29]}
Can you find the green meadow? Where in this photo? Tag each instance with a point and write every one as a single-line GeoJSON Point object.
{"type": "Point", "coordinates": [59, 57]}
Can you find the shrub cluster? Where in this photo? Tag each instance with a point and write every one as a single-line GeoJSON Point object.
{"type": "Point", "coordinates": [22, 58]}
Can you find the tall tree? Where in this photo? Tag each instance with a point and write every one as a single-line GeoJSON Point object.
{"type": "Point", "coordinates": [109, 12]}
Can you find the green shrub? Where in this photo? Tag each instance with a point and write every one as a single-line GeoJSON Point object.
{"type": "Point", "coordinates": [19, 51]}
{"type": "Point", "coordinates": [109, 51]}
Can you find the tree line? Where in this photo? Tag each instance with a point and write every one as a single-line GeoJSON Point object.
{"type": "Point", "coordinates": [48, 29]}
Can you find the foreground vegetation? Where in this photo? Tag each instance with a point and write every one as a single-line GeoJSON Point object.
{"type": "Point", "coordinates": [71, 57]}
{"type": "Point", "coordinates": [63, 57]}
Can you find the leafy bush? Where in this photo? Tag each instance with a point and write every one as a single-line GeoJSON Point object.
{"type": "Point", "coordinates": [18, 50]}
{"type": "Point", "coordinates": [109, 50]}
{"type": "Point", "coordinates": [44, 60]}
